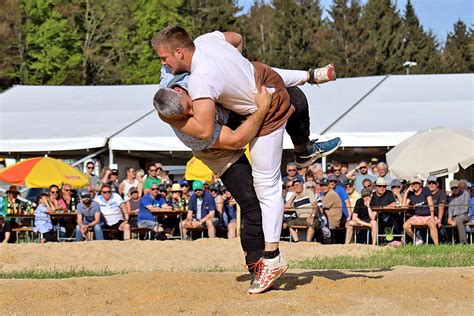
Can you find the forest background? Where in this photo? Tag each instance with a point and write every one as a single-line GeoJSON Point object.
{"type": "Point", "coordinates": [103, 42]}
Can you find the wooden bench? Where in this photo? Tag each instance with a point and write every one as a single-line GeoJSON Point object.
{"type": "Point", "coordinates": [471, 227]}
{"type": "Point", "coordinates": [219, 231]}
{"type": "Point", "coordinates": [297, 228]}
{"type": "Point", "coordinates": [358, 228]}
{"type": "Point", "coordinates": [420, 226]}
{"type": "Point", "coordinates": [26, 231]}
{"type": "Point", "coordinates": [137, 231]}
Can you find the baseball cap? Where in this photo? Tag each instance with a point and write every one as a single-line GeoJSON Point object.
{"type": "Point", "coordinates": [380, 181]}
{"type": "Point", "coordinates": [85, 193]}
{"type": "Point", "coordinates": [180, 80]}
{"type": "Point", "coordinates": [332, 178]}
{"type": "Point", "coordinates": [132, 190]}
{"type": "Point", "coordinates": [114, 172]}
{"type": "Point", "coordinates": [296, 180]}
{"type": "Point", "coordinates": [324, 181]}
{"type": "Point", "coordinates": [215, 186]}
{"type": "Point", "coordinates": [175, 187]}
{"type": "Point", "coordinates": [395, 183]}
{"type": "Point", "coordinates": [415, 180]}
{"type": "Point", "coordinates": [365, 192]}
{"type": "Point", "coordinates": [198, 185]}
{"type": "Point", "coordinates": [183, 182]}
{"type": "Point", "coordinates": [162, 187]}
{"type": "Point", "coordinates": [349, 182]}
{"type": "Point", "coordinates": [454, 183]}
{"type": "Point", "coordinates": [432, 179]}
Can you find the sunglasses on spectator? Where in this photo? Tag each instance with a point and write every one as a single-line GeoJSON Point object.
{"type": "Point", "coordinates": [85, 196]}
{"type": "Point", "coordinates": [348, 185]}
{"type": "Point", "coordinates": [54, 192]}
{"type": "Point", "coordinates": [67, 190]}
{"type": "Point", "coordinates": [381, 186]}
{"type": "Point", "coordinates": [454, 188]}
{"type": "Point", "coordinates": [432, 182]}
{"type": "Point", "coordinates": [197, 190]}
{"type": "Point", "coordinates": [333, 181]}
{"type": "Point", "coordinates": [396, 186]}
{"type": "Point", "coordinates": [337, 170]}
{"type": "Point", "coordinates": [291, 170]}
{"type": "Point", "coordinates": [106, 192]}
{"type": "Point", "coordinates": [310, 187]}
{"type": "Point", "coordinates": [152, 170]}
{"type": "Point", "coordinates": [363, 167]}
{"type": "Point", "coordinates": [154, 189]}
{"type": "Point", "coordinates": [116, 173]}
{"type": "Point", "coordinates": [214, 191]}
{"type": "Point", "coordinates": [90, 168]}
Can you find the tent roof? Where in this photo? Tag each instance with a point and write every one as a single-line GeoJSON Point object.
{"type": "Point", "coordinates": [366, 111]}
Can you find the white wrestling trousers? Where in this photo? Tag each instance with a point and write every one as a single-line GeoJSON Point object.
{"type": "Point", "coordinates": [265, 154]}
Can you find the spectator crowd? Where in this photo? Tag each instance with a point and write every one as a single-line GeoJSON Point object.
{"type": "Point", "coordinates": [328, 205]}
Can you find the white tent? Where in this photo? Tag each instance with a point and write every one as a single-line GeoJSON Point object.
{"type": "Point", "coordinates": [364, 112]}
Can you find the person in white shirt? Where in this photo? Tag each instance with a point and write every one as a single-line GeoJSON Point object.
{"type": "Point", "coordinates": [113, 210]}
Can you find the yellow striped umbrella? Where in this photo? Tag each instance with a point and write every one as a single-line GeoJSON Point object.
{"type": "Point", "coordinates": [42, 172]}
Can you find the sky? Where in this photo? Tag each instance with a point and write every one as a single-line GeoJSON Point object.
{"type": "Point", "coordinates": [437, 15]}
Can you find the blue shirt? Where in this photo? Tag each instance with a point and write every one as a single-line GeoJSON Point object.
{"type": "Point", "coordinates": [472, 208]}
{"type": "Point", "coordinates": [88, 213]}
{"type": "Point", "coordinates": [208, 204]}
{"type": "Point", "coordinates": [343, 195]}
{"type": "Point", "coordinates": [43, 222]}
{"type": "Point", "coordinates": [146, 200]}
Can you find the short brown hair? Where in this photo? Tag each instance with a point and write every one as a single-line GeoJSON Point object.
{"type": "Point", "coordinates": [172, 37]}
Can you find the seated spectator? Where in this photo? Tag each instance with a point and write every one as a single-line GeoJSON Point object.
{"type": "Point", "coordinates": [420, 198]}
{"type": "Point", "coordinates": [11, 202]}
{"type": "Point", "coordinates": [396, 188]}
{"type": "Point", "coordinates": [363, 216]}
{"type": "Point", "coordinates": [112, 208]}
{"type": "Point", "coordinates": [67, 201]}
{"type": "Point", "coordinates": [439, 200]}
{"type": "Point", "coordinates": [129, 182]}
{"type": "Point", "coordinates": [382, 172]}
{"type": "Point", "coordinates": [201, 211]}
{"type": "Point", "coordinates": [303, 201]}
{"type": "Point", "coordinates": [292, 173]}
{"type": "Point", "coordinates": [185, 190]}
{"type": "Point", "coordinates": [171, 222]}
{"type": "Point", "coordinates": [5, 230]}
{"type": "Point", "coordinates": [359, 174]}
{"type": "Point", "coordinates": [163, 189]}
{"type": "Point", "coordinates": [230, 213]}
{"type": "Point", "coordinates": [336, 185]}
{"type": "Point", "coordinates": [93, 179]}
{"type": "Point", "coordinates": [53, 197]}
{"type": "Point", "coordinates": [88, 216]}
{"type": "Point", "coordinates": [351, 192]}
{"type": "Point", "coordinates": [43, 222]}
{"type": "Point", "coordinates": [309, 176]}
{"type": "Point", "coordinates": [177, 201]}
{"type": "Point", "coordinates": [332, 205]}
{"type": "Point", "coordinates": [215, 190]}
{"type": "Point", "coordinates": [458, 209]}
{"type": "Point", "coordinates": [384, 198]}
{"type": "Point", "coordinates": [132, 205]}
{"type": "Point", "coordinates": [153, 201]}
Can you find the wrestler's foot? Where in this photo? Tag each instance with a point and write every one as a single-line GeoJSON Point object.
{"type": "Point", "coordinates": [322, 75]}
{"type": "Point", "coordinates": [268, 271]}
{"type": "Point", "coordinates": [316, 151]}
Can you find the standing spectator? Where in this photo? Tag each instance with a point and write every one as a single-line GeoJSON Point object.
{"type": "Point", "coordinates": [43, 222]}
{"type": "Point", "coordinates": [332, 204]}
{"type": "Point", "coordinates": [113, 210]}
{"type": "Point", "coordinates": [344, 167]}
{"type": "Point", "coordinates": [54, 197]}
{"type": "Point", "coordinates": [93, 179]}
{"type": "Point", "coordinates": [439, 200]}
{"type": "Point", "coordinates": [337, 170]}
{"type": "Point", "coordinates": [112, 180]}
{"type": "Point", "coordinates": [382, 171]}
{"type": "Point", "coordinates": [361, 172]}
{"type": "Point", "coordinates": [292, 173]}
{"type": "Point", "coordinates": [201, 210]}
{"type": "Point", "coordinates": [458, 209]}
{"type": "Point", "coordinates": [88, 216]}
{"type": "Point", "coordinates": [396, 188]}
{"type": "Point", "coordinates": [351, 192]}
{"type": "Point", "coordinates": [152, 178]}
{"type": "Point", "coordinates": [420, 198]}
{"type": "Point", "coordinates": [304, 203]}
{"type": "Point", "coordinates": [5, 230]}
{"type": "Point", "coordinates": [363, 216]}
{"type": "Point", "coordinates": [129, 182]}
{"type": "Point", "coordinates": [151, 202]}
{"type": "Point", "coordinates": [230, 213]}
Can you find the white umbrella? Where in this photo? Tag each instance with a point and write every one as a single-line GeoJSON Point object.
{"type": "Point", "coordinates": [436, 151]}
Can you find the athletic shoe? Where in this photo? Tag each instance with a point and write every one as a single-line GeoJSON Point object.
{"type": "Point", "coordinates": [268, 271]}
{"type": "Point", "coordinates": [317, 150]}
{"type": "Point", "coordinates": [419, 242]}
{"type": "Point", "coordinates": [322, 75]}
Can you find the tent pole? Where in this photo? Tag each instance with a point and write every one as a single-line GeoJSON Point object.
{"type": "Point", "coordinates": [111, 158]}
{"type": "Point", "coordinates": [323, 162]}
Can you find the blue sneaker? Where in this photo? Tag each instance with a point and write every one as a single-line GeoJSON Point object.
{"type": "Point", "coordinates": [318, 150]}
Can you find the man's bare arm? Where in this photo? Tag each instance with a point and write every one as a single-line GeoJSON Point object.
{"type": "Point", "coordinates": [235, 39]}
{"type": "Point", "coordinates": [201, 124]}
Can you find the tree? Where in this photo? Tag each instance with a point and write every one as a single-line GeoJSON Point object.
{"type": "Point", "coordinates": [457, 54]}
{"type": "Point", "coordinates": [419, 46]}
{"type": "Point", "coordinates": [384, 24]}
{"type": "Point", "coordinates": [348, 42]}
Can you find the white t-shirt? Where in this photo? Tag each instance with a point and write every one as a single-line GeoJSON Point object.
{"type": "Point", "coordinates": [111, 209]}
{"type": "Point", "coordinates": [220, 72]}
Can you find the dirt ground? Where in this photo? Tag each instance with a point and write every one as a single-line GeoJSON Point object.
{"type": "Point", "coordinates": [170, 277]}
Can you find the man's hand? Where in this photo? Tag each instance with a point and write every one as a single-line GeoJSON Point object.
{"type": "Point", "coordinates": [263, 99]}
{"type": "Point", "coordinates": [310, 220]}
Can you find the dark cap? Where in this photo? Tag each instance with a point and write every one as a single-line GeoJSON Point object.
{"type": "Point", "coordinates": [85, 193]}
{"type": "Point", "coordinates": [349, 182]}
{"type": "Point", "coordinates": [395, 183]}
{"type": "Point", "coordinates": [324, 181]}
{"type": "Point", "coordinates": [332, 178]}
{"type": "Point", "coordinates": [183, 182]}
{"type": "Point", "coordinates": [296, 180]}
{"type": "Point", "coordinates": [162, 187]}
{"type": "Point", "coordinates": [132, 190]}
{"type": "Point", "coordinates": [365, 192]}
{"type": "Point", "coordinates": [114, 172]}
{"type": "Point", "coordinates": [215, 186]}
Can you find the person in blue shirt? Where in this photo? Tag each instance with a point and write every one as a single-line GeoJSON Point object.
{"type": "Point", "coordinates": [153, 201]}
{"type": "Point", "coordinates": [43, 223]}
{"type": "Point", "coordinates": [201, 211]}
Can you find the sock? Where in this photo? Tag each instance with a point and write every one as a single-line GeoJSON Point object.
{"type": "Point", "coordinates": [271, 254]}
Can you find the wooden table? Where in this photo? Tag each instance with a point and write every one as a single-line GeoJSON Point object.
{"type": "Point", "coordinates": [167, 212]}
{"type": "Point", "coordinates": [391, 209]}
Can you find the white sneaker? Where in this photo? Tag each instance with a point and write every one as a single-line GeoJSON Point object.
{"type": "Point", "coordinates": [419, 242]}
{"type": "Point", "coordinates": [322, 75]}
{"type": "Point", "coordinates": [268, 271]}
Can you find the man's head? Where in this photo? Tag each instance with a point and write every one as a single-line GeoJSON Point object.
{"type": "Point", "coordinates": [380, 186]}
{"type": "Point", "coordinates": [324, 183]}
{"type": "Point", "coordinates": [90, 167]}
{"type": "Point", "coordinates": [454, 186]}
{"type": "Point", "coordinates": [297, 186]}
{"type": "Point", "coordinates": [366, 195]}
{"type": "Point", "coordinates": [349, 184]}
{"type": "Point", "coordinates": [86, 196]}
{"type": "Point", "coordinates": [173, 104]}
{"type": "Point", "coordinates": [153, 171]}
{"type": "Point", "coordinates": [416, 184]}
{"type": "Point", "coordinates": [463, 184]}
{"type": "Point", "coordinates": [363, 167]}
{"type": "Point", "coordinates": [154, 190]}
{"type": "Point", "coordinates": [332, 181]}
{"type": "Point", "coordinates": [367, 183]}
{"type": "Point", "coordinates": [337, 168]}
{"type": "Point", "coordinates": [215, 189]}
{"type": "Point", "coordinates": [310, 185]}
{"type": "Point", "coordinates": [198, 188]}
{"type": "Point", "coordinates": [106, 192]}
{"type": "Point", "coordinates": [432, 183]}
{"type": "Point", "coordinates": [184, 186]}
{"type": "Point", "coordinates": [382, 169]}
{"type": "Point", "coordinates": [114, 175]}
{"type": "Point", "coordinates": [174, 46]}
{"type": "Point", "coordinates": [66, 190]}
{"type": "Point", "coordinates": [131, 173]}
{"type": "Point", "coordinates": [133, 193]}
{"type": "Point", "coordinates": [291, 170]}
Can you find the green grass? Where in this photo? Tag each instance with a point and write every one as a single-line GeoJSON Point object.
{"type": "Point", "coordinates": [55, 274]}
{"type": "Point", "coordinates": [419, 256]}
